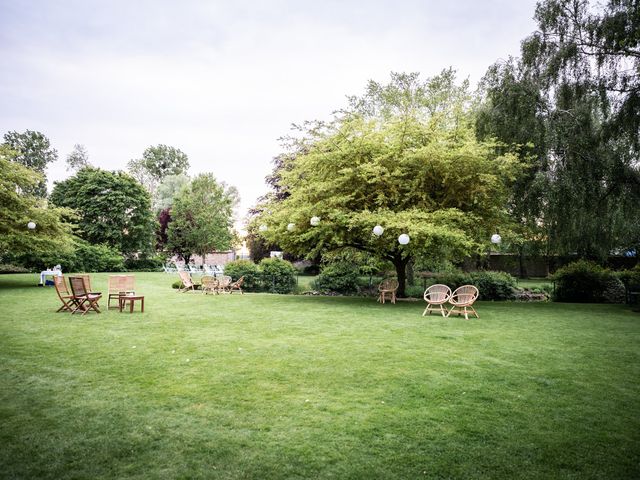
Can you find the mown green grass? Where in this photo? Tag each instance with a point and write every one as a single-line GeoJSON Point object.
{"type": "Point", "coordinates": [268, 387]}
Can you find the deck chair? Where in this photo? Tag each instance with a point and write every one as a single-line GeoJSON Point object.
{"type": "Point", "coordinates": [64, 294]}
{"type": "Point", "coordinates": [436, 296]}
{"type": "Point", "coordinates": [187, 283]}
{"type": "Point", "coordinates": [120, 285]}
{"type": "Point", "coordinates": [209, 284]}
{"type": "Point", "coordinates": [388, 287]}
{"type": "Point", "coordinates": [85, 299]}
{"type": "Point", "coordinates": [237, 285]}
{"type": "Point", "coordinates": [462, 300]}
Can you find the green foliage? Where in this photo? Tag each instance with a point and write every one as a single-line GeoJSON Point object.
{"type": "Point", "coordinates": [78, 158]}
{"type": "Point", "coordinates": [246, 269]}
{"type": "Point", "coordinates": [168, 190]}
{"type": "Point", "coordinates": [33, 150]}
{"type": "Point", "coordinates": [177, 284]}
{"type": "Point", "coordinates": [156, 164]}
{"type": "Point", "coordinates": [18, 207]}
{"type": "Point", "coordinates": [202, 217]}
{"type": "Point", "coordinates": [491, 285]}
{"type": "Point", "coordinates": [144, 264]}
{"type": "Point", "coordinates": [83, 257]}
{"type": "Point", "coordinates": [278, 276]}
{"type": "Point", "coordinates": [339, 277]}
{"type": "Point", "coordinates": [111, 207]}
{"type": "Point", "coordinates": [630, 277]}
{"type": "Point", "coordinates": [405, 157]}
{"type": "Point", "coordinates": [587, 282]}
{"type": "Point", "coordinates": [10, 268]}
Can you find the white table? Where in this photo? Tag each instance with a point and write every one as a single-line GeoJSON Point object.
{"type": "Point", "coordinates": [49, 273]}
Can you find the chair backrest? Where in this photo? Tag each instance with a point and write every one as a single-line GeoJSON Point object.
{"type": "Point", "coordinates": [186, 279]}
{"type": "Point", "coordinates": [79, 285]}
{"type": "Point", "coordinates": [224, 281]}
{"type": "Point", "coordinates": [437, 293]}
{"type": "Point", "coordinates": [87, 280]}
{"type": "Point", "coordinates": [209, 282]}
{"type": "Point", "coordinates": [465, 295]}
{"type": "Point", "coordinates": [121, 283]}
{"type": "Point", "coordinates": [61, 285]}
{"type": "Point", "coordinates": [388, 284]}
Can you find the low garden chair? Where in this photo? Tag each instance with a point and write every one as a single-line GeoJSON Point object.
{"type": "Point", "coordinates": [436, 296]}
{"type": "Point", "coordinates": [83, 297]}
{"type": "Point", "coordinates": [64, 294]}
{"type": "Point", "coordinates": [462, 300]}
{"type": "Point", "coordinates": [224, 283]}
{"type": "Point", "coordinates": [120, 285]}
{"type": "Point", "coordinates": [237, 285]}
{"type": "Point", "coordinates": [209, 284]}
{"type": "Point", "coordinates": [187, 283]}
{"type": "Point", "coordinates": [388, 288]}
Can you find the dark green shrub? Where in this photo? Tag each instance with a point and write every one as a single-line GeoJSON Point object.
{"type": "Point", "coordinates": [494, 285]}
{"type": "Point", "coordinates": [587, 282]}
{"type": "Point", "coordinates": [98, 258]}
{"type": "Point", "coordinates": [144, 264]}
{"type": "Point", "coordinates": [340, 277]}
{"type": "Point", "coordinates": [452, 280]}
{"type": "Point", "coordinates": [277, 276]}
{"type": "Point", "coordinates": [9, 268]}
{"type": "Point", "coordinates": [177, 284]}
{"type": "Point", "coordinates": [246, 269]}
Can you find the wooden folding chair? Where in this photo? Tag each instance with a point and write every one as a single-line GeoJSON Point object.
{"type": "Point", "coordinates": [187, 283]}
{"type": "Point", "coordinates": [65, 296]}
{"type": "Point", "coordinates": [462, 300]}
{"type": "Point", "coordinates": [120, 285]}
{"type": "Point", "coordinates": [237, 285]}
{"type": "Point", "coordinates": [436, 296]}
{"type": "Point", "coordinates": [84, 298]}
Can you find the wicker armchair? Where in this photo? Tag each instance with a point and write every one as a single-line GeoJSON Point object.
{"type": "Point", "coordinates": [436, 296]}
{"type": "Point", "coordinates": [388, 288]}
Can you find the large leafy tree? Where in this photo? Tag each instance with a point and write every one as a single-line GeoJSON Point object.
{"type": "Point", "coordinates": [572, 103]}
{"type": "Point", "coordinates": [112, 208]}
{"type": "Point", "coordinates": [78, 158]}
{"type": "Point", "coordinates": [156, 164]}
{"type": "Point", "coordinates": [34, 151]}
{"type": "Point", "coordinates": [202, 217]}
{"type": "Point", "coordinates": [18, 207]}
{"type": "Point", "coordinates": [403, 156]}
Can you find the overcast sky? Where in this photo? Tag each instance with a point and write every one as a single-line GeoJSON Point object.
{"type": "Point", "coordinates": [223, 80]}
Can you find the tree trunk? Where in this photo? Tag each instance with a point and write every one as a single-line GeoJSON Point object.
{"type": "Point", "coordinates": [401, 272]}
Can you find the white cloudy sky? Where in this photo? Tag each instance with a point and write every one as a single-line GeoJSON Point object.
{"type": "Point", "coordinates": [222, 80]}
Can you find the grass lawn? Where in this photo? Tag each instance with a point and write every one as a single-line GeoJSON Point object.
{"type": "Point", "coordinates": [268, 387]}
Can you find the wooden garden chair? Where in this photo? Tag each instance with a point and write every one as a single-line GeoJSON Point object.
{"type": "Point", "coordinates": [187, 283]}
{"type": "Point", "coordinates": [64, 294]}
{"type": "Point", "coordinates": [209, 284]}
{"type": "Point", "coordinates": [388, 287]}
{"type": "Point", "coordinates": [237, 285]}
{"type": "Point", "coordinates": [462, 300]}
{"type": "Point", "coordinates": [84, 298]}
{"type": "Point", "coordinates": [120, 285]}
{"type": "Point", "coordinates": [436, 296]}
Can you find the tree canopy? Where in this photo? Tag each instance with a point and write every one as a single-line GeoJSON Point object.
{"type": "Point", "coordinates": [201, 218]}
{"type": "Point", "coordinates": [403, 156]}
{"type": "Point", "coordinates": [33, 150]}
{"type": "Point", "coordinates": [111, 207]}
{"type": "Point", "coordinates": [18, 207]}
{"type": "Point", "coordinates": [158, 162]}
{"type": "Point", "coordinates": [78, 158]}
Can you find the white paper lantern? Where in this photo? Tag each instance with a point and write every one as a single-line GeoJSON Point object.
{"type": "Point", "coordinates": [291, 227]}
{"type": "Point", "coordinates": [263, 228]}
{"type": "Point", "coordinates": [315, 221]}
{"type": "Point", "coordinates": [31, 225]}
{"type": "Point", "coordinates": [378, 230]}
{"type": "Point", "coordinates": [403, 239]}
{"type": "Point", "coordinates": [495, 238]}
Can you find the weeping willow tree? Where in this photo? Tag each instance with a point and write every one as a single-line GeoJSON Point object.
{"type": "Point", "coordinates": [403, 156]}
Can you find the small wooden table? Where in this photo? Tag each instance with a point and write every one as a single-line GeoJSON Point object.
{"type": "Point", "coordinates": [123, 299]}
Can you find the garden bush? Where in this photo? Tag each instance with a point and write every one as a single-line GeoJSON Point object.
{"type": "Point", "coordinates": [246, 269]}
{"type": "Point", "coordinates": [491, 285]}
{"type": "Point", "coordinates": [587, 282]}
{"type": "Point", "coordinates": [339, 277]}
{"type": "Point", "coordinates": [144, 264]}
{"type": "Point", "coordinates": [9, 268]}
{"type": "Point", "coordinates": [277, 276]}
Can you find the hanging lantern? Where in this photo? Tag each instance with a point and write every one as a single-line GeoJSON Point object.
{"type": "Point", "coordinates": [31, 225]}
{"type": "Point", "coordinates": [496, 239]}
{"type": "Point", "coordinates": [403, 239]}
{"type": "Point", "coordinates": [291, 227]}
{"type": "Point", "coordinates": [263, 228]}
{"type": "Point", "coordinates": [378, 230]}
{"type": "Point", "coordinates": [315, 221]}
